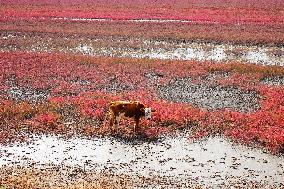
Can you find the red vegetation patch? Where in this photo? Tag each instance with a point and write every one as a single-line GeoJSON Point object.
{"type": "Point", "coordinates": [109, 11]}
{"type": "Point", "coordinates": [203, 22]}
{"type": "Point", "coordinates": [81, 88]}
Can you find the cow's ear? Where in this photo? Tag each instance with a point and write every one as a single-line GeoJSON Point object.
{"type": "Point", "coordinates": [153, 110]}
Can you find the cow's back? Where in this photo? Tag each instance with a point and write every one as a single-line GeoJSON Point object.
{"type": "Point", "coordinates": [128, 108]}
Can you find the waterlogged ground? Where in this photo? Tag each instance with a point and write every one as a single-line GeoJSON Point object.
{"type": "Point", "coordinates": [211, 162]}
{"type": "Point", "coordinates": [141, 48]}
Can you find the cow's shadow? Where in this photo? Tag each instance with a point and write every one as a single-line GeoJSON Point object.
{"type": "Point", "coordinates": [125, 133]}
{"type": "Point", "coordinates": [134, 138]}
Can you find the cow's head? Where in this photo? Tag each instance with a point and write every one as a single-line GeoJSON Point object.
{"type": "Point", "coordinates": [148, 113]}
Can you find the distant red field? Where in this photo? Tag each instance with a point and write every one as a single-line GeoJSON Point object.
{"type": "Point", "coordinates": [173, 3]}
{"type": "Point", "coordinates": [222, 21]}
{"type": "Point", "coordinates": [219, 15]}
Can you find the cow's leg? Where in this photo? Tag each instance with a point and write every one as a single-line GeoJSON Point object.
{"type": "Point", "coordinates": [136, 125]}
{"type": "Point", "coordinates": [117, 119]}
{"type": "Point", "coordinates": [111, 122]}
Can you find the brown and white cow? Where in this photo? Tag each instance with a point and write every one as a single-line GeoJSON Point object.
{"type": "Point", "coordinates": [130, 109]}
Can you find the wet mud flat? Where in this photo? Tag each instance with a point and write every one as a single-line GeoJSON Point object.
{"type": "Point", "coordinates": [274, 81]}
{"type": "Point", "coordinates": [138, 47]}
{"type": "Point", "coordinates": [211, 97]}
{"type": "Point", "coordinates": [171, 160]}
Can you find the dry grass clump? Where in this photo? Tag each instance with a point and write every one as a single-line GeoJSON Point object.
{"type": "Point", "coordinates": [62, 177]}
{"type": "Point", "coordinates": [59, 178]}
{"type": "Point", "coordinates": [247, 69]}
{"type": "Point", "coordinates": [263, 71]}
